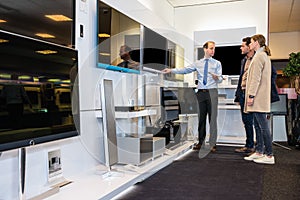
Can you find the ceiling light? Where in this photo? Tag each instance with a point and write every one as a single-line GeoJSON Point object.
{"type": "Point", "coordinates": [46, 52]}
{"type": "Point", "coordinates": [2, 21]}
{"type": "Point", "coordinates": [105, 54]}
{"type": "Point", "coordinates": [66, 81]}
{"type": "Point", "coordinates": [3, 40]}
{"type": "Point", "coordinates": [45, 35]}
{"type": "Point", "coordinates": [4, 76]}
{"type": "Point", "coordinates": [103, 35]}
{"type": "Point", "coordinates": [59, 18]}
{"type": "Point", "coordinates": [54, 80]}
{"type": "Point", "coordinates": [25, 77]}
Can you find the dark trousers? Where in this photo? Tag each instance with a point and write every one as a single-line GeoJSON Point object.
{"type": "Point", "coordinates": [247, 119]}
{"type": "Point", "coordinates": [208, 107]}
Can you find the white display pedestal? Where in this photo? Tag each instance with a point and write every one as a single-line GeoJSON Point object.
{"type": "Point", "coordinates": [137, 150]}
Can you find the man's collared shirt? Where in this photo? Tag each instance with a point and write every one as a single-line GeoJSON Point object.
{"type": "Point", "coordinates": [214, 67]}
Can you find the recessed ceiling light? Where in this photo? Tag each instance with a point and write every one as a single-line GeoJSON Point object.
{"type": "Point", "coordinates": [59, 18]}
{"type": "Point", "coordinates": [25, 77]}
{"type": "Point", "coordinates": [66, 81]}
{"type": "Point", "coordinates": [45, 35]}
{"type": "Point", "coordinates": [103, 35]}
{"type": "Point", "coordinates": [54, 80]}
{"type": "Point", "coordinates": [3, 40]}
{"type": "Point", "coordinates": [46, 52]}
{"type": "Point", "coordinates": [104, 54]}
{"type": "Point", "coordinates": [2, 21]}
{"type": "Point", "coordinates": [4, 76]}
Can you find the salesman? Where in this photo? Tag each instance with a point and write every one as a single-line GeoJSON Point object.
{"type": "Point", "coordinates": [209, 74]}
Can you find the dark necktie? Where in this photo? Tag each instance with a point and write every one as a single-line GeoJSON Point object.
{"type": "Point", "coordinates": [205, 72]}
{"type": "Point", "coordinates": [126, 64]}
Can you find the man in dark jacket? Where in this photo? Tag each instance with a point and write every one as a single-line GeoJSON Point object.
{"type": "Point", "coordinates": [247, 118]}
{"type": "Point", "coordinates": [274, 92]}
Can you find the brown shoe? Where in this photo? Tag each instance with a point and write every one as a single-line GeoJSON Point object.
{"type": "Point", "coordinates": [244, 150]}
{"type": "Point", "coordinates": [197, 147]}
{"type": "Point", "coordinates": [241, 150]}
{"type": "Point", "coordinates": [213, 149]}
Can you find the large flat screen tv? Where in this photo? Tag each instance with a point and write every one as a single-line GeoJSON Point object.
{"type": "Point", "coordinates": [280, 107]}
{"type": "Point", "coordinates": [34, 84]}
{"type": "Point", "coordinates": [229, 56]}
{"type": "Point", "coordinates": [155, 50]}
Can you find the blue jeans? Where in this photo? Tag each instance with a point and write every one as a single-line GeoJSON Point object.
{"type": "Point", "coordinates": [247, 119]}
{"type": "Point", "coordinates": [263, 134]}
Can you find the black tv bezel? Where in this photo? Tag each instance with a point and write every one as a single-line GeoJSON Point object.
{"type": "Point", "coordinates": [38, 140]}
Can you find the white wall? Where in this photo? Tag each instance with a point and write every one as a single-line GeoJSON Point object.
{"type": "Point", "coordinates": [222, 16]}
{"type": "Point", "coordinates": [282, 44]}
{"type": "Point", "coordinates": [157, 6]}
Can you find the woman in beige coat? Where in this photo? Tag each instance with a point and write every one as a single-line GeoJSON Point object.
{"type": "Point", "coordinates": [258, 99]}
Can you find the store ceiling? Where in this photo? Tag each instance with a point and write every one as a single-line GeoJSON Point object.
{"type": "Point", "coordinates": [284, 14]}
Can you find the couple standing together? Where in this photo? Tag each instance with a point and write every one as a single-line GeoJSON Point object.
{"type": "Point", "coordinates": [255, 83]}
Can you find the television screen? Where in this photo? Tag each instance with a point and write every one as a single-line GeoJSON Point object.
{"type": "Point", "coordinates": [65, 97]}
{"type": "Point", "coordinates": [188, 101]}
{"type": "Point", "coordinates": [29, 113]}
{"type": "Point", "coordinates": [280, 107]}
{"type": "Point", "coordinates": [229, 56]}
{"type": "Point", "coordinates": [33, 97]}
{"type": "Point", "coordinates": [155, 50]}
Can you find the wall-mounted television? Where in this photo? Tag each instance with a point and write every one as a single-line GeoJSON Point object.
{"type": "Point", "coordinates": [155, 50]}
{"type": "Point", "coordinates": [65, 98]}
{"type": "Point", "coordinates": [280, 107]}
{"type": "Point", "coordinates": [229, 56]}
{"type": "Point", "coordinates": [148, 48]}
{"type": "Point", "coordinates": [48, 67]}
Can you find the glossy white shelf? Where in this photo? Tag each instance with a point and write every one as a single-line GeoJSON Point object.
{"type": "Point", "coordinates": [132, 114]}
{"type": "Point", "coordinates": [227, 86]}
{"type": "Point", "coordinates": [229, 107]}
{"type": "Point", "coordinates": [93, 185]}
{"type": "Point", "coordinates": [227, 101]}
